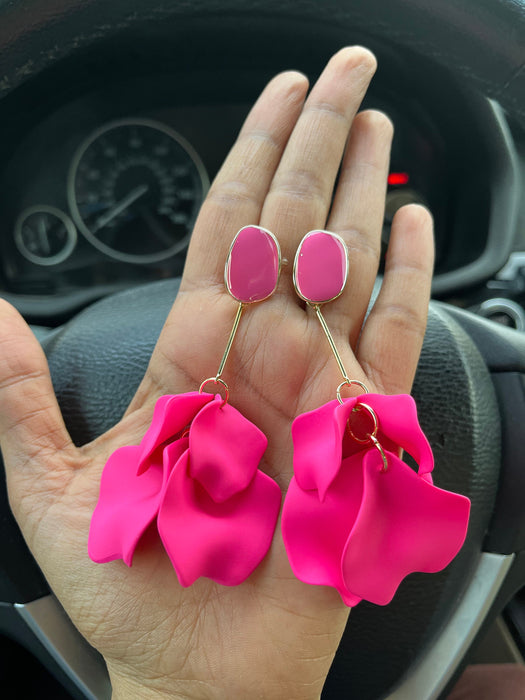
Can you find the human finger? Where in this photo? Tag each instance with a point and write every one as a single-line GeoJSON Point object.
{"type": "Point", "coordinates": [301, 191]}
{"type": "Point", "coordinates": [357, 216]}
{"type": "Point", "coordinates": [237, 194]}
{"type": "Point", "coordinates": [33, 436]}
{"type": "Point", "coordinates": [392, 337]}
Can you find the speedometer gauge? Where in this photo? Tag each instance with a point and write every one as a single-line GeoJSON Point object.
{"type": "Point", "coordinates": [134, 190]}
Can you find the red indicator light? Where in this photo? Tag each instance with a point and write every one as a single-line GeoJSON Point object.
{"type": "Point", "coordinates": [398, 179]}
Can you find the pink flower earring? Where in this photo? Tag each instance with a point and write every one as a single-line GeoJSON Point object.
{"type": "Point", "coordinates": [356, 517]}
{"type": "Point", "coordinates": [195, 472]}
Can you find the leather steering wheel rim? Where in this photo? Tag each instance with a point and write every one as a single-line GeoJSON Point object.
{"type": "Point", "coordinates": [482, 40]}
{"type": "Point", "coordinates": [458, 406]}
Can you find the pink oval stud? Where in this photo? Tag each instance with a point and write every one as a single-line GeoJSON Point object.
{"type": "Point", "coordinates": [320, 267]}
{"type": "Point", "coordinates": [253, 265]}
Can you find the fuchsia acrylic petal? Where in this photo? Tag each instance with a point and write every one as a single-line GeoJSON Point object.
{"type": "Point", "coordinates": [171, 455]}
{"type": "Point", "coordinates": [225, 449]}
{"type": "Point", "coordinates": [370, 532]}
{"type": "Point", "coordinates": [317, 438]}
{"type": "Point", "coordinates": [221, 541]}
{"type": "Point", "coordinates": [253, 264]}
{"type": "Point", "coordinates": [399, 422]}
{"type": "Point", "coordinates": [359, 529]}
{"type": "Point", "coordinates": [404, 525]}
{"type": "Point", "coordinates": [219, 524]}
{"type": "Point", "coordinates": [127, 505]}
{"type": "Point", "coordinates": [321, 267]}
{"type": "Point", "coordinates": [315, 533]}
{"type": "Point", "coordinates": [172, 413]}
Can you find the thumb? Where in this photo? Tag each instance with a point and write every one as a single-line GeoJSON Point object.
{"type": "Point", "coordinates": [33, 437]}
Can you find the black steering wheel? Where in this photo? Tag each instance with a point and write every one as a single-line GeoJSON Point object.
{"type": "Point", "coordinates": [470, 382]}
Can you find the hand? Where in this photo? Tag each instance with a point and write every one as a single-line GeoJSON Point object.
{"type": "Point", "coordinates": [273, 636]}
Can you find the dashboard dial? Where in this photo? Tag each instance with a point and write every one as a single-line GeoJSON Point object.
{"type": "Point", "coordinates": [45, 235]}
{"type": "Point", "coordinates": [134, 190]}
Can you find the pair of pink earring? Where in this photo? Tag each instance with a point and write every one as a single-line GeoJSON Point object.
{"type": "Point", "coordinates": [355, 516]}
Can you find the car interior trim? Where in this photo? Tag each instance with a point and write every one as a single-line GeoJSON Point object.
{"type": "Point", "coordinates": [506, 193]}
{"type": "Point", "coordinates": [83, 666]}
{"type": "Point", "coordinates": [431, 675]}
{"type": "Point", "coordinates": [506, 307]}
{"type": "Point", "coordinates": [513, 267]}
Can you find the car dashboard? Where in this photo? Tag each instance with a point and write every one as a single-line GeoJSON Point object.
{"type": "Point", "coordinates": [102, 183]}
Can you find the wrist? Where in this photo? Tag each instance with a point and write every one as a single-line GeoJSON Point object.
{"type": "Point", "coordinates": [125, 686]}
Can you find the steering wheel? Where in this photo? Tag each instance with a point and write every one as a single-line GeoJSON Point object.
{"type": "Point", "coordinates": [470, 381]}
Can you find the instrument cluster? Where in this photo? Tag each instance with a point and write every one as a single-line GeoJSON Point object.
{"type": "Point", "coordinates": [98, 198]}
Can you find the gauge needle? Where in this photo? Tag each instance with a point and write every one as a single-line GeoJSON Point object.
{"type": "Point", "coordinates": [119, 207]}
{"type": "Point", "coordinates": [43, 237]}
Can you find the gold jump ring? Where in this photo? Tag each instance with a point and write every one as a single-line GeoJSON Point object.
{"type": "Point", "coordinates": [372, 415]}
{"type": "Point", "coordinates": [351, 382]}
{"type": "Point", "coordinates": [216, 380]}
{"type": "Point", "coordinates": [371, 437]}
{"type": "Point", "coordinates": [378, 445]}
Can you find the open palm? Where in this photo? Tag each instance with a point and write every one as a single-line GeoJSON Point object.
{"type": "Point", "coordinates": [272, 636]}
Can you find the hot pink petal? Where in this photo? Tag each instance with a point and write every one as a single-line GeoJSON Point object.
{"type": "Point", "coordinates": [222, 541]}
{"type": "Point", "coordinates": [315, 532]}
{"type": "Point", "coordinates": [317, 438]}
{"type": "Point", "coordinates": [347, 524]}
{"type": "Point", "coordinates": [172, 413]}
{"type": "Point", "coordinates": [225, 450]}
{"type": "Point", "coordinates": [127, 504]}
{"type": "Point", "coordinates": [372, 529]}
{"type": "Point", "coordinates": [170, 456]}
{"type": "Point", "coordinates": [405, 524]}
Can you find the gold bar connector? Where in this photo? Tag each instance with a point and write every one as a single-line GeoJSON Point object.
{"type": "Point", "coordinates": [230, 341]}
{"type": "Point", "coordinates": [326, 330]}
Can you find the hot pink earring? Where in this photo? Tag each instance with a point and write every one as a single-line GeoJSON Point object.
{"type": "Point", "coordinates": [356, 517]}
{"type": "Point", "coordinates": [195, 473]}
